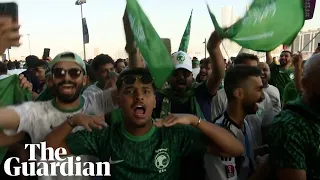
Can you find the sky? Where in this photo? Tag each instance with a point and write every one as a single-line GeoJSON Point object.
{"type": "Point", "coordinates": [56, 24]}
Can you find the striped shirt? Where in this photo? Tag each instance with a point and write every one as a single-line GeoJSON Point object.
{"type": "Point", "coordinates": [232, 168]}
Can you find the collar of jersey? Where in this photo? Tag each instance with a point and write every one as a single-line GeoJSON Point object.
{"type": "Point", "coordinates": [54, 104]}
{"type": "Point", "coordinates": [137, 138]}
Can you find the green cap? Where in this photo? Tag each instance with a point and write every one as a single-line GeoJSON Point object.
{"type": "Point", "coordinates": [68, 57]}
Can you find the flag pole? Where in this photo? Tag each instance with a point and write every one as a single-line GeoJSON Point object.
{"type": "Point", "coordinates": [205, 48]}
{"type": "Point", "coordinates": [309, 41]}
{"type": "Point", "coordinates": [84, 44]}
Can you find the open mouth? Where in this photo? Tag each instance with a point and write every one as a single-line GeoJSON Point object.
{"type": "Point", "coordinates": [66, 88]}
{"type": "Point", "coordinates": [139, 110]}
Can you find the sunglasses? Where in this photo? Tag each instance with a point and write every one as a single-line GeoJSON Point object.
{"type": "Point", "coordinates": [74, 73]}
{"type": "Point", "coordinates": [131, 79]}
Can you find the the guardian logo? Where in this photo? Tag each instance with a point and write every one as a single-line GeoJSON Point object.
{"type": "Point", "coordinates": [55, 161]}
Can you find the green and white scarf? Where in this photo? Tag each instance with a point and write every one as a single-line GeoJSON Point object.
{"type": "Point", "coordinates": [172, 96]}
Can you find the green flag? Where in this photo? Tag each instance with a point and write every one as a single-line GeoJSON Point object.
{"type": "Point", "coordinates": [152, 48]}
{"type": "Point", "coordinates": [10, 94]}
{"type": "Point", "coordinates": [45, 95]}
{"type": "Point", "coordinates": [186, 36]}
{"type": "Point", "coordinates": [266, 25]}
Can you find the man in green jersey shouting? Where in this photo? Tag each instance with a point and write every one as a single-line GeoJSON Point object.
{"type": "Point", "coordinates": [136, 146]}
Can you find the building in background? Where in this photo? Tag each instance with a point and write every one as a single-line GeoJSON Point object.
{"type": "Point", "coordinates": [300, 44]}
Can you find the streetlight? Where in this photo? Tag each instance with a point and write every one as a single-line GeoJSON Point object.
{"type": "Point", "coordinates": [205, 47]}
{"type": "Point", "coordinates": [80, 2]}
{"type": "Point", "coordinates": [29, 44]}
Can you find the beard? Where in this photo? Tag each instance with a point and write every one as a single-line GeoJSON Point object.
{"type": "Point", "coordinates": [250, 108]}
{"type": "Point", "coordinates": [66, 98]}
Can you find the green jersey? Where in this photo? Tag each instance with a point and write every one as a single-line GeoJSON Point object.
{"type": "Point", "coordinates": [290, 93]}
{"type": "Point", "coordinates": [295, 140]}
{"type": "Point", "coordinates": [155, 155]}
{"type": "Point", "coordinates": [280, 77]}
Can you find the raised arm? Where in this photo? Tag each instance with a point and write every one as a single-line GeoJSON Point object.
{"type": "Point", "coordinates": [297, 63]}
{"type": "Point", "coordinates": [217, 63]}
{"type": "Point", "coordinates": [57, 138]}
{"type": "Point", "coordinates": [269, 59]}
{"type": "Point", "coordinates": [135, 58]}
{"type": "Point", "coordinates": [219, 138]}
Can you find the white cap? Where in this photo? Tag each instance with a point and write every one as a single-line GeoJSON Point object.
{"type": "Point", "coordinates": [182, 60]}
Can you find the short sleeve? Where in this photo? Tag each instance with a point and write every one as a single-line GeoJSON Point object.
{"type": "Point", "coordinates": [287, 146]}
{"type": "Point", "coordinates": [28, 113]}
{"type": "Point", "coordinates": [219, 104]}
{"type": "Point", "coordinates": [192, 142]}
{"type": "Point", "coordinates": [102, 101]}
{"type": "Point", "coordinates": [88, 143]}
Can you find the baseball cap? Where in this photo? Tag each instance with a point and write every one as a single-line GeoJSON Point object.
{"type": "Point", "coordinates": [34, 62]}
{"type": "Point", "coordinates": [182, 60]}
{"type": "Point", "coordinates": [68, 57]}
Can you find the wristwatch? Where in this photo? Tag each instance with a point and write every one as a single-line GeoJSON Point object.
{"type": "Point", "coordinates": [69, 120]}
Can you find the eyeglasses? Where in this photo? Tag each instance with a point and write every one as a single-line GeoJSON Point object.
{"type": "Point", "coordinates": [74, 73]}
{"type": "Point", "coordinates": [131, 79]}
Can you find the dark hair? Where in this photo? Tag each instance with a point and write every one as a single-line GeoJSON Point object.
{"type": "Point", "coordinates": [11, 65]}
{"type": "Point", "coordinates": [285, 51]}
{"type": "Point", "coordinates": [133, 71]}
{"type": "Point", "coordinates": [3, 68]}
{"type": "Point", "coordinates": [17, 64]}
{"type": "Point", "coordinates": [119, 61]}
{"type": "Point", "coordinates": [101, 60]}
{"type": "Point", "coordinates": [243, 57]}
{"type": "Point", "coordinates": [236, 75]}
{"type": "Point", "coordinates": [205, 61]}
{"type": "Point", "coordinates": [90, 73]}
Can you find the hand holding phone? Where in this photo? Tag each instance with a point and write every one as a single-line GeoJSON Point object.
{"type": "Point", "coordinates": [46, 53]}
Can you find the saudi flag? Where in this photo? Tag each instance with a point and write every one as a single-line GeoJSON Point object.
{"type": "Point", "coordinates": [186, 36]}
{"type": "Point", "coordinates": [11, 94]}
{"type": "Point", "coordinates": [266, 25]}
{"type": "Point", "coordinates": [149, 43]}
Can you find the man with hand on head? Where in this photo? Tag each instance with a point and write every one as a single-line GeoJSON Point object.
{"type": "Point", "coordinates": [137, 146]}
{"type": "Point", "coordinates": [38, 119]}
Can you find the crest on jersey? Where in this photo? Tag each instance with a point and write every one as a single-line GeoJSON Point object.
{"type": "Point", "coordinates": [291, 76]}
{"type": "Point", "coordinates": [260, 112]}
{"type": "Point", "coordinates": [162, 160]}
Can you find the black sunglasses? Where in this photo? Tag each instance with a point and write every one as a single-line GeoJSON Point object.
{"type": "Point", "coordinates": [131, 79]}
{"type": "Point", "coordinates": [74, 73]}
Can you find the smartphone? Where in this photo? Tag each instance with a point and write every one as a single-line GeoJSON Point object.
{"type": "Point", "coordinates": [46, 53]}
{"type": "Point", "coordinates": [9, 9]}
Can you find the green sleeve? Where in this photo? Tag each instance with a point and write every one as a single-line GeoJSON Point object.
{"type": "Point", "coordinates": [193, 142]}
{"type": "Point", "coordinates": [287, 146]}
{"type": "Point", "coordinates": [290, 93]}
{"type": "Point", "coordinates": [88, 143]}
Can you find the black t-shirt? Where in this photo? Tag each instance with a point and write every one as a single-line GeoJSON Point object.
{"type": "Point", "coordinates": [36, 86]}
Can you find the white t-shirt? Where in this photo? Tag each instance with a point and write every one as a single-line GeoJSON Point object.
{"type": "Point", "coordinates": [91, 89]}
{"type": "Point", "coordinates": [195, 72]}
{"type": "Point", "coordinates": [274, 95]}
{"type": "Point", "coordinates": [38, 119]}
{"type": "Point", "coordinates": [262, 118]}
{"type": "Point", "coordinates": [221, 168]}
